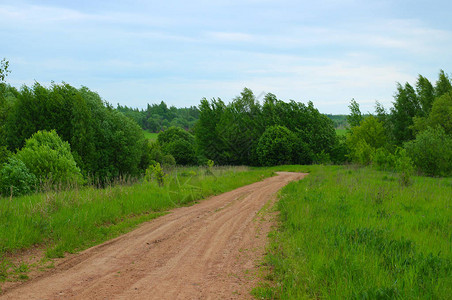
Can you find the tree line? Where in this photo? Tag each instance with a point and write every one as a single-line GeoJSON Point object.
{"type": "Point", "coordinates": [158, 117]}
{"type": "Point", "coordinates": [417, 129]}
{"type": "Point", "coordinates": [247, 132]}
{"type": "Point", "coordinates": [44, 127]}
{"type": "Point", "coordinates": [62, 135]}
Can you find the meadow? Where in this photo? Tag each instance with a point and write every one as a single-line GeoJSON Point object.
{"type": "Point", "coordinates": [152, 136]}
{"type": "Point", "coordinates": [68, 221]}
{"type": "Point", "coordinates": [341, 131]}
{"type": "Point", "coordinates": [357, 233]}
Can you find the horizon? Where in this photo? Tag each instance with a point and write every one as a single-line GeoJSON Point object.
{"type": "Point", "coordinates": [143, 52]}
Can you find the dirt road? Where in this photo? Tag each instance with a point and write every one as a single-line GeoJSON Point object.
{"type": "Point", "coordinates": [206, 251]}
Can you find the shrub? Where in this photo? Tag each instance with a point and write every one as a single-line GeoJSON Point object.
{"type": "Point", "coordinates": [362, 140]}
{"type": "Point", "coordinates": [339, 151]}
{"type": "Point", "coordinates": [4, 155]}
{"type": "Point", "coordinates": [168, 160]}
{"type": "Point", "coordinates": [210, 164]}
{"type": "Point", "coordinates": [277, 146]}
{"type": "Point", "coordinates": [362, 153]}
{"type": "Point", "coordinates": [441, 114]}
{"type": "Point", "coordinates": [16, 179]}
{"type": "Point", "coordinates": [155, 172]}
{"type": "Point", "coordinates": [322, 158]}
{"type": "Point", "coordinates": [155, 152]}
{"type": "Point", "coordinates": [50, 159]}
{"type": "Point", "coordinates": [172, 134]}
{"type": "Point", "coordinates": [404, 166]}
{"type": "Point", "coordinates": [383, 159]}
{"type": "Point", "coordinates": [179, 143]}
{"type": "Point", "coordinates": [431, 152]}
{"type": "Point", "coordinates": [182, 151]}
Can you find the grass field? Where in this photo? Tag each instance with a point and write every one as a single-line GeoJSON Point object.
{"type": "Point", "coordinates": [150, 135]}
{"type": "Point", "coordinates": [69, 221]}
{"type": "Point", "coordinates": [341, 131]}
{"type": "Point", "coordinates": [349, 233]}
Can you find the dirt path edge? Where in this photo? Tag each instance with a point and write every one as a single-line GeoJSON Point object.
{"type": "Point", "coordinates": [206, 251]}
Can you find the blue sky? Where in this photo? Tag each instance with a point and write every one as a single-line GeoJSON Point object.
{"type": "Point", "coordinates": [138, 52]}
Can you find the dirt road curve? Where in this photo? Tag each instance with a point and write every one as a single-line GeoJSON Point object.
{"type": "Point", "coordinates": [205, 251]}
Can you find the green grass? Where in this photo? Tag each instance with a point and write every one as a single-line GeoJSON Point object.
{"type": "Point", "coordinates": [358, 234]}
{"type": "Point", "coordinates": [150, 135]}
{"type": "Point", "coordinates": [72, 220]}
{"type": "Point", "coordinates": [341, 131]}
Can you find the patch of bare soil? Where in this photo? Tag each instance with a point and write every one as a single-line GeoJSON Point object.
{"type": "Point", "coordinates": [210, 250]}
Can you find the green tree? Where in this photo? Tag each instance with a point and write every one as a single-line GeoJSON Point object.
{"type": "Point", "coordinates": [426, 94]}
{"type": "Point", "coordinates": [364, 139]}
{"type": "Point", "coordinates": [50, 159]}
{"type": "Point", "coordinates": [441, 113]}
{"type": "Point", "coordinates": [355, 117]}
{"type": "Point", "coordinates": [239, 129]}
{"type": "Point", "coordinates": [277, 146]}
{"type": "Point", "coordinates": [443, 84]}
{"type": "Point", "coordinates": [119, 142]}
{"type": "Point", "coordinates": [230, 134]}
{"type": "Point", "coordinates": [406, 107]}
{"type": "Point", "coordinates": [178, 143]}
{"type": "Point", "coordinates": [371, 131]}
{"type": "Point", "coordinates": [173, 134]}
{"type": "Point", "coordinates": [7, 98]}
{"type": "Point", "coordinates": [404, 165]}
{"type": "Point", "coordinates": [431, 152]}
{"type": "Point", "coordinates": [104, 142]}
{"type": "Point", "coordinates": [16, 179]}
{"type": "Point", "coordinates": [208, 142]}
{"type": "Point", "coordinates": [309, 125]}
{"type": "Point", "coordinates": [317, 129]}
{"type": "Point", "coordinates": [182, 151]}
{"type": "Point", "coordinates": [4, 69]}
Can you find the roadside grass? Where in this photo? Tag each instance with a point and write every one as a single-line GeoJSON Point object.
{"type": "Point", "coordinates": [356, 233]}
{"type": "Point", "coordinates": [150, 135]}
{"type": "Point", "coordinates": [72, 220]}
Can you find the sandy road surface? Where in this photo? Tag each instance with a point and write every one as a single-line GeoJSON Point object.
{"type": "Point", "coordinates": [205, 251]}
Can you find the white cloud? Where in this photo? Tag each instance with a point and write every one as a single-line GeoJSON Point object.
{"type": "Point", "coordinates": [181, 52]}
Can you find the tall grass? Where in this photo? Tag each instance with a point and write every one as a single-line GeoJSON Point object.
{"type": "Point", "coordinates": [72, 220]}
{"type": "Point", "coordinates": [358, 234]}
{"type": "Point", "coordinates": [150, 135]}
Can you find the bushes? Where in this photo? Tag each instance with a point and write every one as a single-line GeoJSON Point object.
{"type": "Point", "coordinates": [404, 165]}
{"type": "Point", "coordinates": [174, 133]}
{"type": "Point", "coordinates": [277, 146]}
{"type": "Point", "coordinates": [383, 159]}
{"type": "Point", "coordinates": [155, 172]}
{"type": "Point", "coordinates": [4, 155]}
{"type": "Point", "coordinates": [104, 143]}
{"type": "Point", "coordinates": [229, 134]}
{"type": "Point", "coordinates": [177, 144]}
{"type": "Point", "coordinates": [182, 151]}
{"type": "Point", "coordinates": [364, 139]}
{"type": "Point", "coordinates": [431, 152]}
{"type": "Point", "coordinates": [50, 159]}
{"type": "Point", "coordinates": [361, 153]}
{"type": "Point", "coordinates": [16, 179]}
{"type": "Point", "coordinates": [441, 114]}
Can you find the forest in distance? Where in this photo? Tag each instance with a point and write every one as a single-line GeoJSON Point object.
{"type": "Point", "coordinates": [159, 117]}
{"type": "Point", "coordinates": [62, 135]}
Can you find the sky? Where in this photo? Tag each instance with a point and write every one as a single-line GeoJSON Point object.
{"type": "Point", "coordinates": [137, 52]}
